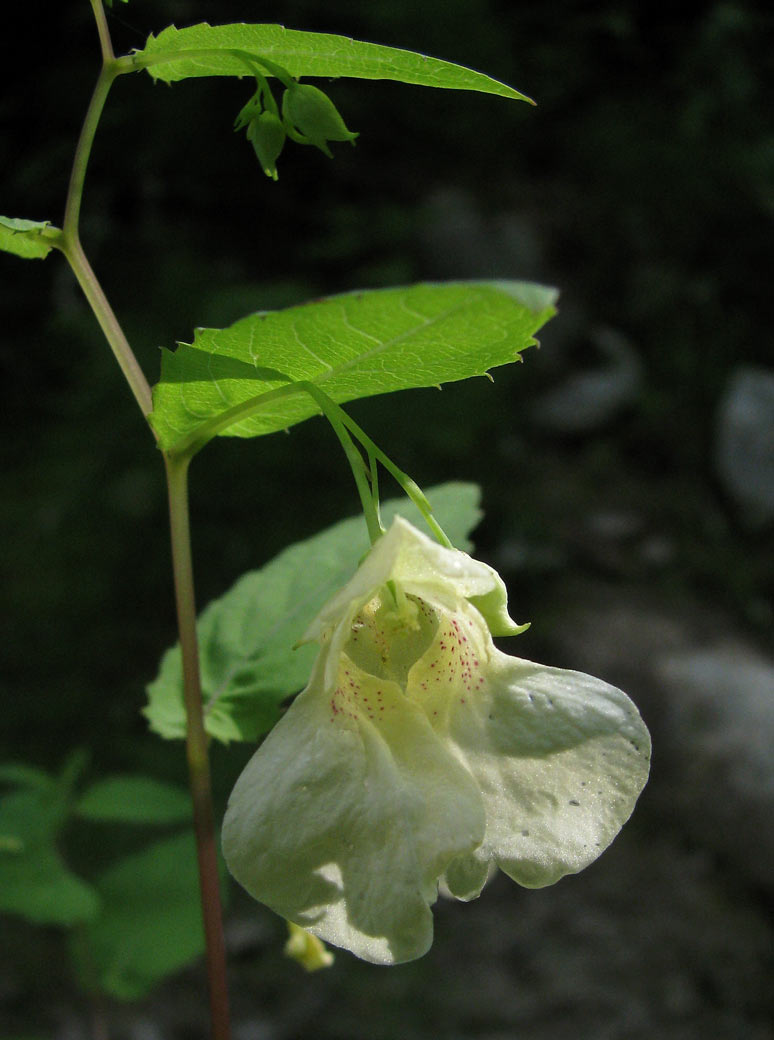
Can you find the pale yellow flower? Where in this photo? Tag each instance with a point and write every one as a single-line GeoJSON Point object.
{"type": "Point", "coordinates": [419, 754]}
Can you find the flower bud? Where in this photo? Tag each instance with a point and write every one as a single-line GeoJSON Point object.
{"type": "Point", "coordinates": [310, 114]}
{"type": "Point", "coordinates": [252, 109]}
{"type": "Point", "coordinates": [267, 136]}
{"type": "Point", "coordinates": [310, 952]}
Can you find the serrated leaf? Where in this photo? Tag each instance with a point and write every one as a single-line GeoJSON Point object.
{"type": "Point", "coordinates": [208, 50]}
{"type": "Point", "coordinates": [30, 239]}
{"type": "Point", "coordinates": [246, 638]}
{"type": "Point", "coordinates": [354, 345]}
{"type": "Point", "coordinates": [34, 881]}
{"type": "Point", "coordinates": [150, 924]}
{"type": "Point", "coordinates": [134, 799]}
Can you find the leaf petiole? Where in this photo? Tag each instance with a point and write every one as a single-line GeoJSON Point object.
{"type": "Point", "coordinates": [409, 486]}
{"type": "Point", "coordinates": [363, 477]}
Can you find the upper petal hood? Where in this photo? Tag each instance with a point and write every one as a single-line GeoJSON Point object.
{"type": "Point", "coordinates": [425, 569]}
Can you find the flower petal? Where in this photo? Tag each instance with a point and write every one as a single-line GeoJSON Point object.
{"type": "Point", "coordinates": [346, 817]}
{"type": "Point", "coordinates": [423, 568]}
{"type": "Point", "coordinates": [560, 758]}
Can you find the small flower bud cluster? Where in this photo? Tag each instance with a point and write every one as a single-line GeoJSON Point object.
{"type": "Point", "coordinates": [308, 116]}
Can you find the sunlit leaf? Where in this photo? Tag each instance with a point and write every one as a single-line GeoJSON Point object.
{"type": "Point", "coordinates": [134, 799]}
{"type": "Point", "coordinates": [209, 50]}
{"type": "Point", "coordinates": [350, 346]}
{"type": "Point", "coordinates": [246, 637]}
{"type": "Point", "coordinates": [30, 239]}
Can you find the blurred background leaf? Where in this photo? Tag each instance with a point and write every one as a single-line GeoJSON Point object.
{"type": "Point", "coordinates": [150, 924]}
{"type": "Point", "coordinates": [35, 882]}
{"type": "Point", "coordinates": [134, 799]}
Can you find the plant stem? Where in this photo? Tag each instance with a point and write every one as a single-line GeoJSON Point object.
{"type": "Point", "coordinates": [104, 33]}
{"type": "Point", "coordinates": [177, 485]}
{"type": "Point", "coordinates": [368, 498]}
{"type": "Point", "coordinates": [107, 74]}
{"type": "Point", "coordinates": [196, 745]}
{"type": "Point", "coordinates": [69, 242]}
{"type": "Point", "coordinates": [123, 353]}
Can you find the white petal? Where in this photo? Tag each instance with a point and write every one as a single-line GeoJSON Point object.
{"type": "Point", "coordinates": [560, 757]}
{"type": "Point", "coordinates": [423, 568]}
{"type": "Point", "coordinates": [346, 817]}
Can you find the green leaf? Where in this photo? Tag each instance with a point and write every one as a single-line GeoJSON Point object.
{"type": "Point", "coordinates": [34, 881]}
{"type": "Point", "coordinates": [208, 50]}
{"type": "Point", "coordinates": [19, 774]}
{"type": "Point", "coordinates": [246, 637]}
{"type": "Point", "coordinates": [134, 799]}
{"type": "Point", "coordinates": [150, 924]}
{"type": "Point", "coordinates": [353, 345]}
{"type": "Point", "coordinates": [30, 239]}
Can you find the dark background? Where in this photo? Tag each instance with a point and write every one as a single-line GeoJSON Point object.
{"type": "Point", "coordinates": [641, 185]}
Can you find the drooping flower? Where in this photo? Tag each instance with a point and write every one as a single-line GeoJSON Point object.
{"type": "Point", "coordinates": [419, 754]}
{"type": "Point", "coordinates": [310, 117]}
{"type": "Point", "coordinates": [267, 136]}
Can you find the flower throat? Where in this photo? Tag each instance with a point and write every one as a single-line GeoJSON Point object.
{"type": "Point", "coordinates": [391, 633]}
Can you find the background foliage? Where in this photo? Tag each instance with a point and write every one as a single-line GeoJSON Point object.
{"type": "Point", "coordinates": [640, 186]}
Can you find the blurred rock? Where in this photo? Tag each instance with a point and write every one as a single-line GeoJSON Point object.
{"type": "Point", "coordinates": [707, 696]}
{"type": "Point", "coordinates": [720, 727]}
{"type": "Point", "coordinates": [587, 401]}
{"type": "Point", "coordinates": [619, 540]}
{"type": "Point", "coordinates": [647, 942]}
{"type": "Point", "coordinates": [462, 242]}
{"type": "Point", "coordinates": [744, 450]}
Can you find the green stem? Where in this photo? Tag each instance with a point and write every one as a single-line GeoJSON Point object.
{"type": "Point", "coordinates": [197, 746]}
{"type": "Point", "coordinates": [104, 33]}
{"type": "Point", "coordinates": [409, 486]}
{"type": "Point", "coordinates": [69, 241]}
{"type": "Point", "coordinates": [203, 434]}
{"type": "Point", "coordinates": [364, 489]}
{"type": "Point", "coordinates": [123, 353]}
{"type": "Point", "coordinates": [373, 474]}
{"type": "Point", "coordinates": [177, 483]}
{"type": "Point", "coordinates": [107, 74]}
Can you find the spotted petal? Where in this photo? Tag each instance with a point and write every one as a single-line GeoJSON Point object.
{"type": "Point", "coordinates": [346, 817]}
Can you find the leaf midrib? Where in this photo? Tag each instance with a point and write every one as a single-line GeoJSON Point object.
{"type": "Point", "coordinates": [386, 345]}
